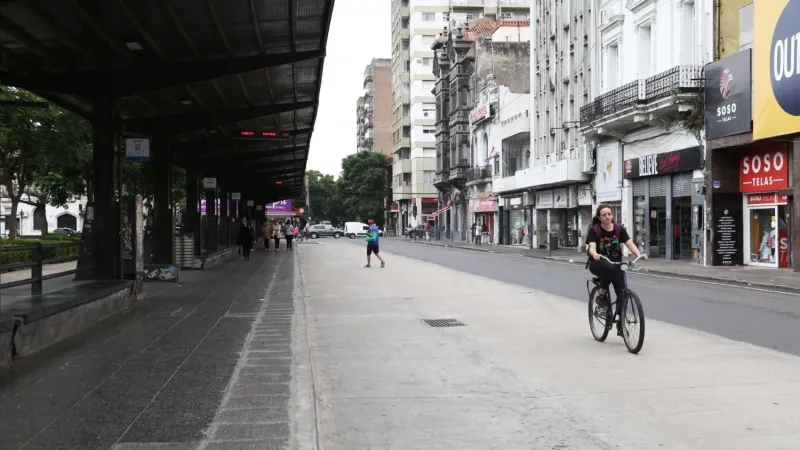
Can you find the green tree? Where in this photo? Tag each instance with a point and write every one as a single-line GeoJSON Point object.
{"type": "Point", "coordinates": [57, 176]}
{"type": "Point", "coordinates": [323, 194]}
{"type": "Point", "coordinates": [362, 186]}
{"type": "Point", "coordinates": [25, 136]}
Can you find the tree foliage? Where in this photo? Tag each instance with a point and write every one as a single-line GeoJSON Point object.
{"type": "Point", "coordinates": [363, 185]}
{"type": "Point", "coordinates": [41, 152]}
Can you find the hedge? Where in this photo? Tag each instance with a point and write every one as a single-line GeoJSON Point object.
{"type": "Point", "coordinates": [13, 257]}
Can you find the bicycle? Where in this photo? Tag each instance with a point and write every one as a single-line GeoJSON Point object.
{"type": "Point", "coordinates": [629, 298]}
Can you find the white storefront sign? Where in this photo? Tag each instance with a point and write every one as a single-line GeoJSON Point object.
{"type": "Point", "coordinates": [585, 195]}
{"type": "Point", "coordinates": [560, 198]}
{"type": "Point", "coordinates": [544, 199]}
{"type": "Point", "coordinates": [609, 174]}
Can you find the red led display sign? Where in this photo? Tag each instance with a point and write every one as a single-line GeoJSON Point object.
{"type": "Point", "coordinates": [261, 134]}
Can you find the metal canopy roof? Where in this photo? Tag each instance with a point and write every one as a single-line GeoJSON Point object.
{"type": "Point", "coordinates": [198, 71]}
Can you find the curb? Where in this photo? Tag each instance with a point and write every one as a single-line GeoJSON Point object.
{"type": "Point", "coordinates": [730, 281]}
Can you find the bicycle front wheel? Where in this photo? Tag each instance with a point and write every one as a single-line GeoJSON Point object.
{"type": "Point", "coordinates": [599, 323]}
{"type": "Point", "coordinates": [632, 321]}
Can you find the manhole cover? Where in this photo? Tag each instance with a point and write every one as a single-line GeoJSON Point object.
{"type": "Point", "coordinates": [444, 323]}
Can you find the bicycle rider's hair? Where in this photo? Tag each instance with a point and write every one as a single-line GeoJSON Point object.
{"type": "Point", "coordinates": [602, 206]}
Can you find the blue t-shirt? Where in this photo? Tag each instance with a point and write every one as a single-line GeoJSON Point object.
{"type": "Point", "coordinates": [373, 230]}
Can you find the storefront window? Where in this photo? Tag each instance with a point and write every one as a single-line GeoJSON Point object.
{"type": "Point", "coordinates": [763, 235]}
{"type": "Point", "coordinates": [518, 228]}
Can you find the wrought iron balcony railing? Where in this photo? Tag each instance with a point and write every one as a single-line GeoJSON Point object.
{"type": "Point", "coordinates": [675, 81]}
{"type": "Point", "coordinates": [678, 80]}
{"type": "Point", "coordinates": [479, 173]}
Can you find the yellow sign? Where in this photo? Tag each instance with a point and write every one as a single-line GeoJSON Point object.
{"type": "Point", "coordinates": [776, 68]}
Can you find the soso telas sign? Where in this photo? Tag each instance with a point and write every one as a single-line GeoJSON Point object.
{"type": "Point", "coordinates": [764, 169]}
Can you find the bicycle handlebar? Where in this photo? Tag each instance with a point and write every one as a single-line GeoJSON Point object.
{"type": "Point", "coordinates": [622, 262]}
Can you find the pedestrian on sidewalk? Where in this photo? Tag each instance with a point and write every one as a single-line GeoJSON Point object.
{"type": "Point", "coordinates": [475, 230]}
{"type": "Point", "coordinates": [372, 243]}
{"type": "Point", "coordinates": [265, 235]}
{"type": "Point", "coordinates": [276, 234]}
{"type": "Point", "coordinates": [485, 233]}
{"type": "Point", "coordinates": [288, 232]}
{"type": "Point", "coordinates": [245, 238]}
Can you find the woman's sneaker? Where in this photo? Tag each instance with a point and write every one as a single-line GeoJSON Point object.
{"type": "Point", "coordinates": [602, 305]}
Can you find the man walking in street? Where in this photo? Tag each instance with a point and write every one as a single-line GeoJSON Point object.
{"type": "Point", "coordinates": [372, 243]}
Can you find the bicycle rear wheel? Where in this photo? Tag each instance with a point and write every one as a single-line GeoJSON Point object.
{"type": "Point", "coordinates": [632, 321]}
{"type": "Point", "coordinates": [599, 325]}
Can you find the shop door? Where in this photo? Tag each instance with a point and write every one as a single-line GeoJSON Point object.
{"type": "Point", "coordinates": [764, 238]}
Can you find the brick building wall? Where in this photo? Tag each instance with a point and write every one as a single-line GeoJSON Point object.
{"type": "Point", "coordinates": [382, 116]}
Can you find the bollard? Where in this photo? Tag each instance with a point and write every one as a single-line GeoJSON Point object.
{"type": "Point", "coordinates": [36, 269]}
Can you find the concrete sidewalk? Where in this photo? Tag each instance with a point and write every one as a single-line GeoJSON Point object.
{"type": "Point", "coordinates": [523, 373]}
{"type": "Point", "coordinates": [752, 276]}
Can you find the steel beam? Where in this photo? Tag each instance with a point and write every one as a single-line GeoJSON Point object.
{"type": "Point", "coordinates": [150, 77]}
{"type": "Point", "coordinates": [181, 123]}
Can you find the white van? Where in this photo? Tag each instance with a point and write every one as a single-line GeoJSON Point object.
{"type": "Point", "coordinates": [355, 229]}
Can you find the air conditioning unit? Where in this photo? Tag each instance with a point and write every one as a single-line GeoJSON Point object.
{"type": "Point", "coordinates": [586, 153]}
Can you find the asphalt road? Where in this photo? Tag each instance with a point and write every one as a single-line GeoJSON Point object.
{"type": "Point", "coordinates": [761, 317]}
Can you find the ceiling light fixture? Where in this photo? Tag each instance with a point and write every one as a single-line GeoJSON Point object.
{"type": "Point", "coordinates": [185, 101]}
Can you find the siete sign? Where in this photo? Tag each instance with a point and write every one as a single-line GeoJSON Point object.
{"type": "Point", "coordinates": [664, 163]}
{"type": "Point", "coordinates": [764, 169]}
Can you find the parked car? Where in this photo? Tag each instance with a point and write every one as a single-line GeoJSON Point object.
{"type": "Point", "coordinates": [324, 230]}
{"type": "Point", "coordinates": [415, 232]}
{"type": "Point", "coordinates": [65, 231]}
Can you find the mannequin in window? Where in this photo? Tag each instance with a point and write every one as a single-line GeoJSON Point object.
{"type": "Point", "coordinates": [766, 251]}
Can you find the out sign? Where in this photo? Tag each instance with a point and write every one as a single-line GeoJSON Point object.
{"type": "Point", "coordinates": [764, 169]}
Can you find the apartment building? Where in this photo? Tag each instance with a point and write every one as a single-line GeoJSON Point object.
{"type": "Point", "coordinates": [374, 108]}
{"type": "Point", "coordinates": [645, 123]}
{"type": "Point", "coordinates": [482, 110]}
{"type": "Point", "coordinates": [415, 26]}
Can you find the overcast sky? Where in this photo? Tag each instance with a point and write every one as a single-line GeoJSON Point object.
{"type": "Point", "coordinates": [360, 30]}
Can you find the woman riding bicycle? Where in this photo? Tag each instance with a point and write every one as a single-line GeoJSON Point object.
{"type": "Point", "coordinates": [605, 238]}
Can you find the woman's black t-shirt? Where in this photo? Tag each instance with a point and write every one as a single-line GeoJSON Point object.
{"type": "Point", "coordinates": [608, 244]}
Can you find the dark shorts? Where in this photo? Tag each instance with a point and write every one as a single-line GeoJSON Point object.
{"type": "Point", "coordinates": [372, 248]}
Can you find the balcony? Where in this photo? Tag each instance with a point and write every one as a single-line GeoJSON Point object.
{"type": "Point", "coordinates": [442, 127]}
{"type": "Point", "coordinates": [459, 171]}
{"type": "Point", "coordinates": [401, 166]}
{"type": "Point", "coordinates": [441, 178]}
{"type": "Point", "coordinates": [402, 143]}
{"type": "Point", "coordinates": [480, 174]}
{"type": "Point", "coordinates": [459, 115]}
{"type": "Point", "coordinates": [639, 102]}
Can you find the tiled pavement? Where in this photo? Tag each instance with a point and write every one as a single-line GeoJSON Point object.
{"type": "Point", "coordinates": [753, 276]}
{"type": "Point", "coordinates": [204, 364]}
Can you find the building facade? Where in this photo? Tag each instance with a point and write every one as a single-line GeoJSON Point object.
{"type": "Point", "coordinates": [482, 110]}
{"type": "Point", "coordinates": [374, 108]}
{"type": "Point", "coordinates": [645, 127]}
{"type": "Point", "coordinates": [29, 223]}
{"type": "Point", "coordinates": [415, 26]}
{"type": "Point", "coordinates": [751, 159]}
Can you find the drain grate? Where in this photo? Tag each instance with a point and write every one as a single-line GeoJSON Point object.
{"type": "Point", "coordinates": [444, 323]}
